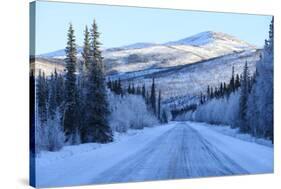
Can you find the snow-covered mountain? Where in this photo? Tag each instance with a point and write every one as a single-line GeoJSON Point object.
{"type": "Point", "coordinates": [203, 46]}
{"type": "Point", "coordinates": [182, 68]}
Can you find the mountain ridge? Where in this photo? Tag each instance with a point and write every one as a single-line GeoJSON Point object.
{"type": "Point", "coordinates": [199, 39]}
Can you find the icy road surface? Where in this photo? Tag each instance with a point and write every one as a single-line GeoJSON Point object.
{"type": "Point", "coordinates": [181, 150]}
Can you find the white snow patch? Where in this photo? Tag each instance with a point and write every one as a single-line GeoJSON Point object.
{"type": "Point", "coordinates": [255, 158]}
{"type": "Point", "coordinates": [71, 165]}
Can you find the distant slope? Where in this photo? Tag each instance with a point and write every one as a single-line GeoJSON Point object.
{"type": "Point", "coordinates": [203, 46]}
{"type": "Point", "coordinates": [183, 84]}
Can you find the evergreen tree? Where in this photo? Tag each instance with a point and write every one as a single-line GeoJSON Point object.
{"type": "Point", "coordinates": [237, 81]}
{"type": "Point", "coordinates": [133, 91]}
{"type": "Point", "coordinates": [41, 97]}
{"type": "Point", "coordinates": [232, 81]}
{"type": "Point", "coordinates": [208, 92]}
{"type": "Point", "coordinates": [153, 97]}
{"type": "Point", "coordinates": [147, 100]}
{"type": "Point", "coordinates": [119, 87]}
{"type": "Point", "coordinates": [96, 127]}
{"type": "Point", "coordinates": [59, 88]}
{"type": "Point", "coordinates": [70, 120]}
{"type": "Point", "coordinates": [109, 84]}
{"type": "Point", "coordinates": [159, 105]}
{"type": "Point", "coordinates": [260, 103]}
{"type": "Point", "coordinates": [221, 89]}
{"type": "Point", "coordinates": [201, 98]}
{"type": "Point", "coordinates": [143, 91]}
{"type": "Point", "coordinates": [129, 89]}
{"type": "Point", "coordinates": [269, 44]}
{"type": "Point", "coordinates": [211, 93]}
{"type": "Point", "coordinates": [244, 127]}
{"type": "Point", "coordinates": [52, 105]}
{"type": "Point", "coordinates": [86, 54]}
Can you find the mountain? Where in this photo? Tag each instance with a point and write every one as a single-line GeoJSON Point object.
{"type": "Point", "coordinates": [208, 37]}
{"type": "Point", "coordinates": [59, 54]}
{"type": "Point", "coordinates": [182, 69]}
{"type": "Point", "coordinates": [203, 46]}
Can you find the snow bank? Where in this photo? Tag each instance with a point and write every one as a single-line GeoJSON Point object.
{"type": "Point", "coordinates": [234, 132]}
{"type": "Point", "coordinates": [253, 157]}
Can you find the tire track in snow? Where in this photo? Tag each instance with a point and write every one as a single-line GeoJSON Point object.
{"type": "Point", "coordinates": [179, 153]}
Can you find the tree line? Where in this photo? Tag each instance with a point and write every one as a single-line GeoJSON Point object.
{"type": "Point", "coordinates": [77, 99]}
{"type": "Point", "coordinates": [152, 99]}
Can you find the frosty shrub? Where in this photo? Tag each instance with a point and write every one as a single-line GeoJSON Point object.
{"type": "Point", "coordinates": [49, 136]}
{"type": "Point", "coordinates": [216, 111]}
{"type": "Point", "coordinates": [129, 112]}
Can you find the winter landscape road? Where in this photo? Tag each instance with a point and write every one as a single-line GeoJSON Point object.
{"type": "Point", "coordinates": [178, 150]}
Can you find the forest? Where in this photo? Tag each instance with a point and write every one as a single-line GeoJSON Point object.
{"type": "Point", "coordinates": [81, 106]}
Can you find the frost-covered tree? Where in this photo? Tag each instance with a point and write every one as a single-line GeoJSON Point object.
{"type": "Point", "coordinates": [41, 97]}
{"type": "Point", "coordinates": [70, 111]}
{"type": "Point", "coordinates": [260, 103]}
{"type": "Point", "coordinates": [159, 105]}
{"type": "Point", "coordinates": [86, 54]}
{"type": "Point", "coordinates": [243, 125]}
{"type": "Point", "coordinates": [153, 97]}
{"type": "Point", "coordinates": [143, 91]}
{"type": "Point", "coordinates": [96, 128]}
{"type": "Point", "coordinates": [50, 137]}
{"type": "Point", "coordinates": [60, 89]}
{"type": "Point", "coordinates": [232, 81]}
{"type": "Point", "coordinates": [52, 105]}
{"type": "Point", "coordinates": [129, 112]}
{"type": "Point", "coordinates": [237, 82]}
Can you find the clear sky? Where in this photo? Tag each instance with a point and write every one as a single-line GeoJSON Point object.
{"type": "Point", "coordinates": [126, 25]}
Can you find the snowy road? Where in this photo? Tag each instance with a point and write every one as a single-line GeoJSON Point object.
{"type": "Point", "coordinates": [179, 153]}
{"type": "Point", "coordinates": [176, 150]}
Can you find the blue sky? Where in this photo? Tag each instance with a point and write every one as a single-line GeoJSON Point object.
{"type": "Point", "coordinates": [126, 25]}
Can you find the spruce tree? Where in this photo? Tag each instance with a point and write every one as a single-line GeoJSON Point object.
{"type": "Point", "coordinates": [70, 112]}
{"type": "Point", "coordinates": [52, 105]}
{"type": "Point", "coordinates": [41, 97]}
{"type": "Point", "coordinates": [86, 49]}
{"type": "Point", "coordinates": [143, 91]}
{"type": "Point", "coordinates": [147, 98]}
{"type": "Point", "coordinates": [59, 88]}
{"type": "Point", "coordinates": [237, 82]}
{"type": "Point", "coordinates": [153, 97]}
{"type": "Point", "coordinates": [232, 81]}
{"type": "Point", "coordinates": [208, 92]}
{"type": "Point", "coordinates": [129, 89]}
{"type": "Point", "coordinates": [119, 87]}
{"type": "Point", "coordinates": [159, 105]}
{"type": "Point", "coordinates": [133, 91]}
{"type": "Point", "coordinates": [201, 98]}
{"type": "Point", "coordinates": [244, 127]}
{"type": "Point", "coordinates": [221, 89]}
{"type": "Point", "coordinates": [96, 117]}
{"type": "Point", "coordinates": [109, 85]}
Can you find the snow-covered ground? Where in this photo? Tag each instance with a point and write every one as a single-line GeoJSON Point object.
{"type": "Point", "coordinates": [253, 157]}
{"type": "Point", "coordinates": [76, 165]}
{"type": "Point", "coordinates": [234, 132]}
{"type": "Point", "coordinates": [171, 151]}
